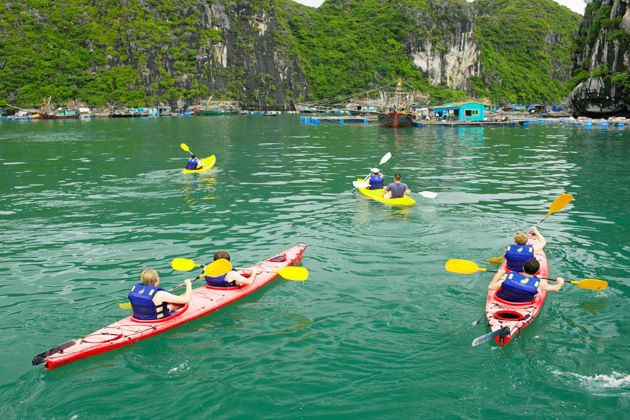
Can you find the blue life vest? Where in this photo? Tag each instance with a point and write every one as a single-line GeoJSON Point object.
{"type": "Point", "coordinates": [220, 281]}
{"type": "Point", "coordinates": [192, 163]}
{"type": "Point", "coordinates": [519, 288]}
{"type": "Point", "coordinates": [516, 255]}
{"type": "Point", "coordinates": [141, 298]}
{"type": "Point", "coordinates": [376, 182]}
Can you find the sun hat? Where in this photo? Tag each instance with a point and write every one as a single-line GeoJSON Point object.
{"type": "Point", "coordinates": [375, 170]}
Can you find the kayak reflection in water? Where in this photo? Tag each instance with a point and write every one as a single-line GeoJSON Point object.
{"type": "Point", "coordinates": [522, 287]}
{"type": "Point", "coordinates": [149, 301]}
{"type": "Point", "coordinates": [396, 189]}
{"type": "Point", "coordinates": [231, 278]}
{"type": "Point", "coordinates": [193, 163]}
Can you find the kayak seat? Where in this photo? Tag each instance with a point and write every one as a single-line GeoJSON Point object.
{"type": "Point", "coordinates": [508, 315]}
{"type": "Point", "coordinates": [153, 321]}
{"type": "Point", "coordinates": [279, 258]}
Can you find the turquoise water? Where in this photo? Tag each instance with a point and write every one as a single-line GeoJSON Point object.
{"type": "Point", "coordinates": [379, 330]}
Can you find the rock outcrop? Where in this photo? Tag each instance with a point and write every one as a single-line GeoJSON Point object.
{"type": "Point", "coordinates": [451, 56]}
{"type": "Point", "coordinates": [602, 61]}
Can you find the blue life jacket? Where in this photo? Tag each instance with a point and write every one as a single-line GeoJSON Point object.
{"type": "Point", "coordinates": [192, 163]}
{"type": "Point", "coordinates": [519, 288]}
{"type": "Point", "coordinates": [141, 298]}
{"type": "Point", "coordinates": [376, 182]}
{"type": "Point", "coordinates": [516, 255]}
{"type": "Point", "coordinates": [220, 281]}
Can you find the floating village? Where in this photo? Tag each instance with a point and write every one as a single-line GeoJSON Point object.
{"type": "Point", "coordinates": [397, 108]}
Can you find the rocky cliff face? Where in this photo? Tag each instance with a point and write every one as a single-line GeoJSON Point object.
{"type": "Point", "coordinates": [602, 61]}
{"type": "Point", "coordinates": [451, 55]}
{"type": "Point", "coordinates": [271, 53]}
{"type": "Point", "coordinates": [137, 52]}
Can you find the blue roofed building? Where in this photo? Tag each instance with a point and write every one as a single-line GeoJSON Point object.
{"type": "Point", "coordinates": [459, 111]}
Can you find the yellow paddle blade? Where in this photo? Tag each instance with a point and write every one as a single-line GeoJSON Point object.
{"type": "Point", "coordinates": [559, 203]}
{"type": "Point", "coordinates": [126, 306]}
{"type": "Point", "coordinates": [293, 273]}
{"type": "Point", "coordinates": [217, 268]}
{"type": "Point", "coordinates": [591, 284]}
{"type": "Point", "coordinates": [185, 147]}
{"type": "Point", "coordinates": [496, 260]}
{"type": "Point", "coordinates": [183, 264]}
{"type": "Point", "coordinates": [462, 266]}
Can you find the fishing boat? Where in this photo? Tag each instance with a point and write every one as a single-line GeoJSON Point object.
{"type": "Point", "coordinates": [61, 114]}
{"type": "Point", "coordinates": [397, 104]}
{"type": "Point", "coordinates": [395, 119]}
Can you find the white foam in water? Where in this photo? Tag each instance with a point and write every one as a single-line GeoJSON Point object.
{"type": "Point", "coordinates": [616, 380]}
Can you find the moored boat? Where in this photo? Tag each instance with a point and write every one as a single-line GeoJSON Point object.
{"type": "Point", "coordinates": [61, 114]}
{"type": "Point", "coordinates": [511, 317]}
{"type": "Point", "coordinates": [395, 119]}
{"type": "Point", "coordinates": [205, 299]}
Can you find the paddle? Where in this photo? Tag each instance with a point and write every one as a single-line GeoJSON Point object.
{"type": "Point", "coordinates": [558, 204]}
{"type": "Point", "coordinates": [487, 337]}
{"type": "Point", "coordinates": [288, 273]}
{"type": "Point", "coordinates": [470, 267]}
{"type": "Point", "coordinates": [215, 269]}
{"type": "Point", "coordinates": [185, 148]}
{"type": "Point", "coordinates": [387, 156]}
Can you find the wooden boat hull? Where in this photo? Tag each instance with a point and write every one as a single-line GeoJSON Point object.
{"type": "Point", "coordinates": [395, 120]}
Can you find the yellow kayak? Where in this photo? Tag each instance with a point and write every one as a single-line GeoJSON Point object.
{"type": "Point", "coordinates": [206, 164]}
{"type": "Point", "coordinates": [377, 195]}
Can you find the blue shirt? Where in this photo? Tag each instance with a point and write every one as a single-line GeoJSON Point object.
{"type": "Point", "coordinates": [397, 189]}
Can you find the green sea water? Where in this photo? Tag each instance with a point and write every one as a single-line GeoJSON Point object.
{"type": "Point", "coordinates": [380, 329]}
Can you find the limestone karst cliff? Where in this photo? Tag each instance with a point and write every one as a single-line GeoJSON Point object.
{"type": "Point", "coordinates": [273, 53]}
{"type": "Point", "coordinates": [602, 61]}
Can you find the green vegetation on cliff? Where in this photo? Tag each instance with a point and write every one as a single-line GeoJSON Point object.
{"type": "Point", "coordinates": [273, 52]}
{"type": "Point", "coordinates": [526, 48]}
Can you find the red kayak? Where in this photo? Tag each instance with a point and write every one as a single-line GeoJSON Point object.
{"type": "Point", "coordinates": [507, 319]}
{"type": "Point", "coordinates": [205, 299]}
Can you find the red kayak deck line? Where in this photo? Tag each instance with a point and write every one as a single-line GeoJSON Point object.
{"type": "Point", "coordinates": [515, 316]}
{"type": "Point", "coordinates": [129, 330]}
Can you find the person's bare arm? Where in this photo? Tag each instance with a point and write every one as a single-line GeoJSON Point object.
{"type": "Point", "coordinates": [552, 287]}
{"type": "Point", "coordinates": [496, 281]}
{"type": "Point", "coordinates": [542, 242]}
{"type": "Point", "coordinates": [240, 279]}
{"type": "Point", "coordinates": [164, 296]}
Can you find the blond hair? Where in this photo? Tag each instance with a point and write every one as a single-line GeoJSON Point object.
{"type": "Point", "coordinates": [520, 238]}
{"type": "Point", "coordinates": [149, 277]}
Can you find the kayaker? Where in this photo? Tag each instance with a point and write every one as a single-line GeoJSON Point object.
{"type": "Point", "coordinates": [522, 287]}
{"type": "Point", "coordinates": [517, 254]}
{"type": "Point", "coordinates": [396, 189]}
{"type": "Point", "coordinates": [193, 163]}
{"type": "Point", "coordinates": [232, 278]}
{"type": "Point", "coordinates": [149, 301]}
{"type": "Point", "coordinates": [375, 179]}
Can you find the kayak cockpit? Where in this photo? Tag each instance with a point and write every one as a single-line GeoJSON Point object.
{"type": "Point", "coordinates": [175, 314]}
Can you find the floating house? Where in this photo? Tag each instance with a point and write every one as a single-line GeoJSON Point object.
{"type": "Point", "coordinates": [460, 111]}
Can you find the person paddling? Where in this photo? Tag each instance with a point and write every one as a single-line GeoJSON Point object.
{"type": "Point", "coordinates": [149, 301]}
{"type": "Point", "coordinates": [523, 286]}
{"type": "Point", "coordinates": [397, 189]}
{"type": "Point", "coordinates": [520, 251]}
{"type": "Point", "coordinates": [193, 163]}
{"type": "Point", "coordinates": [231, 278]}
{"type": "Point", "coordinates": [375, 179]}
